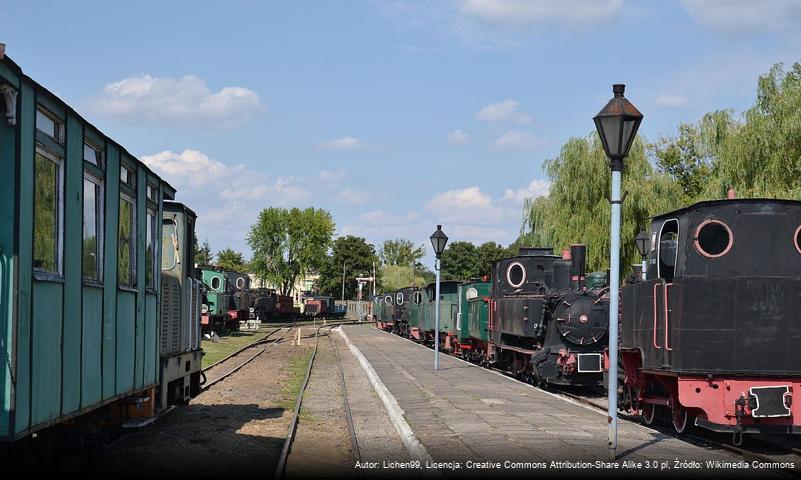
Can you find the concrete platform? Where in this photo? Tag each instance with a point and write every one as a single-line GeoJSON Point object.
{"type": "Point", "coordinates": [463, 413]}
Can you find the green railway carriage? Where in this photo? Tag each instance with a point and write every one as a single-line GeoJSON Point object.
{"type": "Point", "coordinates": [448, 307]}
{"type": "Point", "coordinates": [471, 296]}
{"type": "Point", "coordinates": [79, 263]}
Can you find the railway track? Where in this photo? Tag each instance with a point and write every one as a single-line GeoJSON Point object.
{"type": "Point", "coordinates": [293, 426]}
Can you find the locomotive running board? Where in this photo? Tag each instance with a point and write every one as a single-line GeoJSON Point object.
{"type": "Point", "coordinates": [770, 401]}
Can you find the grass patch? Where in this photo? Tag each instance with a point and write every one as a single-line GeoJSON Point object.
{"type": "Point", "coordinates": [296, 373]}
{"type": "Point", "coordinates": [230, 343]}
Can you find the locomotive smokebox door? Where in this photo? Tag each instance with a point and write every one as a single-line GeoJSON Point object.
{"type": "Point", "coordinates": [770, 401]}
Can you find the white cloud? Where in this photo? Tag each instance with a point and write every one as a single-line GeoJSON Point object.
{"type": "Point", "coordinates": [526, 12]}
{"type": "Point", "coordinates": [745, 15]}
{"type": "Point", "coordinates": [351, 196]}
{"type": "Point", "coordinates": [186, 101]}
{"type": "Point", "coordinates": [470, 197]}
{"type": "Point", "coordinates": [670, 100]}
{"type": "Point", "coordinates": [332, 177]}
{"type": "Point", "coordinates": [504, 112]}
{"type": "Point", "coordinates": [191, 168]}
{"type": "Point", "coordinates": [517, 140]}
{"type": "Point", "coordinates": [458, 137]}
{"type": "Point", "coordinates": [537, 188]}
{"type": "Point", "coordinates": [344, 143]}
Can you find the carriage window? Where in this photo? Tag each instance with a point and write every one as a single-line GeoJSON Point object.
{"type": "Point", "coordinates": [216, 283]}
{"type": "Point", "coordinates": [47, 124]}
{"type": "Point", "coordinates": [668, 249]}
{"type": "Point", "coordinates": [797, 239]}
{"type": "Point", "coordinates": [713, 238]}
{"type": "Point", "coordinates": [92, 228]}
{"type": "Point", "coordinates": [516, 274]}
{"type": "Point", "coordinates": [92, 155]}
{"type": "Point", "coordinates": [150, 249]}
{"type": "Point", "coordinates": [47, 197]}
{"type": "Point", "coordinates": [126, 243]}
{"type": "Point", "coordinates": [169, 242]}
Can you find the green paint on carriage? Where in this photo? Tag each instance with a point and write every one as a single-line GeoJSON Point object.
{"type": "Point", "coordinates": [67, 344]}
{"type": "Point", "coordinates": [473, 311]}
{"type": "Point", "coordinates": [448, 307]}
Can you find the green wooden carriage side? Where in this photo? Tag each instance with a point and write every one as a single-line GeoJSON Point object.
{"type": "Point", "coordinates": [448, 306]}
{"type": "Point", "coordinates": [471, 303]}
{"type": "Point", "coordinates": [71, 344]}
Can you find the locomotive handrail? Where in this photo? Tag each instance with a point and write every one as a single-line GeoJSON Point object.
{"type": "Point", "coordinates": [667, 318]}
{"type": "Point", "coordinates": [656, 345]}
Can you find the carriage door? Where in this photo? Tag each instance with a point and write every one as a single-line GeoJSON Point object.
{"type": "Point", "coordinates": [667, 254]}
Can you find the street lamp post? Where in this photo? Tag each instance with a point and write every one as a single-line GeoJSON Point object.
{"type": "Point", "coordinates": [617, 125]}
{"type": "Point", "coordinates": [642, 247]}
{"type": "Point", "coordinates": [438, 241]}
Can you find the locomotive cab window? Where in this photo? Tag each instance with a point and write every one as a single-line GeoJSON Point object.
{"type": "Point", "coordinates": [216, 283]}
{"type": "Point", "coordinates": [169, 244]}
{"type": "Point", "coordinates": [240, 283]}
{"type": "Point", "coordinates": [713, 238]}
{"type": "Point", "coordinates": [48, 213]}
{"type": "Point", "coordinates": [418, 298]}
{"type": "Point", "coordinates": [668, 249]}
{"type": "Point", "coordinates": [399, 298]}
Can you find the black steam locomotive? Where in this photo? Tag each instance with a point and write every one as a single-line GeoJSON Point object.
{"type": "Point", "coordinates": [711, 336]}
{"type": "Point", "coordinates": [545, 326]}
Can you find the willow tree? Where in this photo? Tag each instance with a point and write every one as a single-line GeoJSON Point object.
{"type": "Point", "coordinates": [763, 157]}
{"type": "Point", "coordinates": [577, 209]}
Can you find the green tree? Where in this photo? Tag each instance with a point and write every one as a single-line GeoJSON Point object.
{"type": "Point", "coordinates": [577, 208]}
{"type": "Point", "coordinates": [489, 252]}
{"type": "Point", "coordinates": [763, 156]}
{"type": "Point", "coordinates": [459, 261]}
{"type": "Point", "coordinates": [691, 157]}
{"type": "Point", "coordinates": [287, 244]}
{"type": "Point", "coordinates": [203, 254]}
{"type": "Point", "coordinates": [356, 257]}
{"type": "Point", "coordinates": [395, 277]}
{"type": "Point", "coordinates": [231, 260]}
{"type": "Point", "coordinates": [401, 252]}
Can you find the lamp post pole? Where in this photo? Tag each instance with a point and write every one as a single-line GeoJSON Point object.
{"type": "Point", "coordinates": [617, 125]}
{"type": "Point", "coordinates": [438, 241]}
{"type": "Point", "coordinates": [614, 293]}
{"type": "Point", "coordinates": [436, 317]}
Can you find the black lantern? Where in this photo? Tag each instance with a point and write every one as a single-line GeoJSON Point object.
{"type": "Point", "coordinates": [438, 241]}
{"type": "Point", "coordinates": [642, 243]}
{"type": "Point", "coordinates": [617, 124]}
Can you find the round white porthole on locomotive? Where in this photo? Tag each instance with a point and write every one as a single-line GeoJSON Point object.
{"type": "Point", "coordinates": [215, 283]}
{"type": "Point", "coordinates": [797, 239]}
{"type": "Point", "coordinates": [471, 293]}
{"type": "Point", "coordinates": [417, 298]}
{"type": "Point", "coordinates": [240, 283]}
{"type": "Point", "coordinates": [516, 274]}
{"type": "Point", "coordinates": [399, 298]}
{"type": "Point", "coordinates": [713, 238]}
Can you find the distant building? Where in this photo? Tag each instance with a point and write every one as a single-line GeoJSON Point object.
{"type": "Point", "coordinates": [301, 289]}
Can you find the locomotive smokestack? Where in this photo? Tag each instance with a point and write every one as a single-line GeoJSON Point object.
{"type": "Point", "coordinates": [731, 194]}
{"type": "Point", "coordinates": [565, 254]}
{"type": "Point", "coordinates": [578, 264]}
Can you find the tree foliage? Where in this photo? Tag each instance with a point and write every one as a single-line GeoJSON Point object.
{"type": "Point", "coordinates": [459, 261]}
{"type": "Point", "coordinates": [230, 259]}
{"type": "Point", "coordinates": [203, 254]}
{"type": "Point", "coordinates": [289, 243]}
{"type": "Point", "coordinates": [577, 209]}
{"type": "Point", "coordinates": [356, 256]}
{"type": "Point", "coordinates": [401, 252]}
{"type": "Point", "coordinates": [488, 252]}
{"type": "Point", "coordinates": [394, 277]}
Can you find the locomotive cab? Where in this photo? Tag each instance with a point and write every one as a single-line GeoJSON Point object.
{"type": "Point", "coordinates": [714, 327]}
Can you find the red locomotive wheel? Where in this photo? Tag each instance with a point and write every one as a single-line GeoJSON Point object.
{"type": "Point", "coordinates": [681, 419]}
{"type": "Point", "coordinates": [648, 413]}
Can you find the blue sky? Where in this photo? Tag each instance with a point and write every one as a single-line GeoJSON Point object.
{"type": "Point", "coordinates": [394, 115]}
